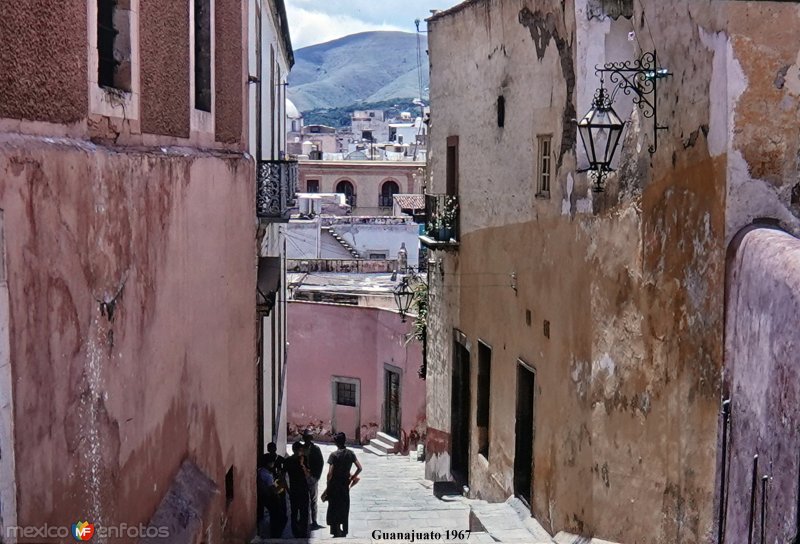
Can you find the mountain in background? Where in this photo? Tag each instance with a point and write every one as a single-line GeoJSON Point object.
{"type": "Point", "coordinates": [366, 67]}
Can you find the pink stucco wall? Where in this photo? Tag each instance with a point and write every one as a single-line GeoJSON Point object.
{"type": "Point", "coordinates": [131, 277]}
{"type": "Point", "coordinates": [327, 340]}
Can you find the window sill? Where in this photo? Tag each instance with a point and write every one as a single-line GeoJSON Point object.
{"type": "Point", "coordinates": [542, 195]}
{"type": "Point", "coordinates": [432, 243]}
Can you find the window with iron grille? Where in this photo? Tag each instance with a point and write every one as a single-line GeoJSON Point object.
{"type": "Point", "coordinates": [388, 190]}
{"type": "Point", "coordinates": [312, 186]}
{"type": "Point", "coordinates": [545, 162]}
{"type": "Point", "coordinates": [202, 55]}
{"type": "Point", "coordinates": [345, 394]}
{"type": "Point", "coordinates": [113, 45]}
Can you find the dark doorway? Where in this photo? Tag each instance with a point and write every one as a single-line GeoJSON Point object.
{"type": "Point", "coordinates": [523, 452]}
{"type": "Point", "coordinates": [391, 403]}
{"type": "Point", "coordinates": [459, 415]}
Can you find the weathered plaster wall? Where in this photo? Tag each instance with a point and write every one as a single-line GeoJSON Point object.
{"type": "Point", "coordinates": [164, 35]}
{"type": "Point", "coordinates": [329, 340]}
{"type": "Point", "coordinates": [761, 53]}
{"type": "Point", "coordinates": [230, 18]}
{"type": "Point", "coordinates": [367, 178]}
{"type": "Point", "coordinates": [132, 330]}
{"type": "Point", "coordinates": [630, 280]}
{"type": "Point", "coordinates": [43, 61]}
{"type": "Point", "coordinates": [762, 374]}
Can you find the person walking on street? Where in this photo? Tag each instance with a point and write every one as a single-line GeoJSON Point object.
{"type": "Point", "coordinates": [339, 483]}
{"type": "Point", "coordinates": [297, 473]}
{"type": "Point", "coordinates": [315, 465]}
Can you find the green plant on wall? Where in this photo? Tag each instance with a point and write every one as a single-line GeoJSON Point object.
{"type": "Point", "coordinates": [419, 329]}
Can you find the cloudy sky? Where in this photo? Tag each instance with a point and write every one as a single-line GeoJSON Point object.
{"type": "Point", "coordinates": [317, 21]}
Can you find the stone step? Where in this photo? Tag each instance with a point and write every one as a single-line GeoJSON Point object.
{"type": "Point", "coordinates": [508, 522]}
{"type": "Point", "coordinates": [375, 451]}
{"type": "Point", "coordinates": [388, 438]}
{"type": "Point", "coordinates": [385, 447]}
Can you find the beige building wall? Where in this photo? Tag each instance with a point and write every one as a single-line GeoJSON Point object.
{"type": "Point", "coordinates": [629, 282]}
{"type": "Point", "coordinates": [367, 177]}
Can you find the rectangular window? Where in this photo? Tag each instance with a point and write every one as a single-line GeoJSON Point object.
{"type": "Point", "coordinates": [312, 186]}
{"type": "Point", "coordinates": [113, 45]}
{"type": "Point", "coordinates": [345, 394]}
{"type": "Point", "coordinates": [366, 135]}
{"type": "Point", "coordinates": [378, 256]}
{"type": "Point", "coordinates": [452, 165]}
{"type": "Point", "coordinates": [545, 162]}
{"type": "Point", "coordinates": [484, 388]}
{"type": "Point", "coordinates": [202, 55]}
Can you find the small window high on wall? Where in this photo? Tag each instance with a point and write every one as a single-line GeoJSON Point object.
{"type": "Point", "coordinates": [202, 55]}
{"type": "Point", "coordinates": [113, 45]}
{"type": "Point", "coordinates": [545, 162]}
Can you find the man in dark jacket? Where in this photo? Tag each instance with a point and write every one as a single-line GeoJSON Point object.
{"type": "Point", "coordinates": [297, 472]}
{"type": "Point", "coordinates": [315, 465]}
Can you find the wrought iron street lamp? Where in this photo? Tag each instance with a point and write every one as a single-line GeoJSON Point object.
{"type": "Point", "coordinates": [403, 297]}
{"type": "Point", "coordinates": [601, 127]}
{"type": "Point", "coordinates": [600, 130]}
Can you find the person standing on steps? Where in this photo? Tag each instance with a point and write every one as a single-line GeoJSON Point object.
{"type": "Point", "coordinates": [315, 465]}
{"type": "Point", "coordinates": [340, 481]}
{"type": "Point", "coordinates": [297, 473]}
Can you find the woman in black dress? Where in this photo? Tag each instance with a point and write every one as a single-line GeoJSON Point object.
{"type": "Point", "coordinates": [339, 482]}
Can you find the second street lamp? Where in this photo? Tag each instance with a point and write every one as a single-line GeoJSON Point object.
{"type": "Point", "coordinates": [403, 297]}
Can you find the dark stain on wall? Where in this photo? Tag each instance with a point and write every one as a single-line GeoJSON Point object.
{"type": "Point", "coordinates": [43, 60]}
{"type": "Point", "coordinates": [164, 43]}
{"type": "Point", "coordinates": [229, 77]}
{"type": "Point", "coordinates": [543, 28]}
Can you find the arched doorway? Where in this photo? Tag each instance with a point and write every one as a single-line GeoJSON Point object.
{"type": "Point", "coordinates": [346, 188]}
{"type": "Point", "coordinates": [388, 190]}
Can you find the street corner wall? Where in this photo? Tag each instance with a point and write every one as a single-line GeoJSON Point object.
{"type": "Point", "coordinates": [762, 376]}
{"type": "Point", "coordinates": [761, 53]}
{"type": "Point", "coordinates": [131, 277]}
{"type": "Point", "coordinates": [630, 280]}
{"type": "Point", "coordinates": [332, 340]}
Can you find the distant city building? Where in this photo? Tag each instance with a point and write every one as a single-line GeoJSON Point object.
{"type": "Point", "coordinates": [369, 186]}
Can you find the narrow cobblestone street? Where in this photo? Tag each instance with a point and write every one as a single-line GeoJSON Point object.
{"type": "Point", "coordinates": [394, 497]}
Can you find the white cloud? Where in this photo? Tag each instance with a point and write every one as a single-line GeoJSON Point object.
{"type": "Point", "coordinates": [309, 26]}
{"type": "Point", "coordinates": [317, 21]}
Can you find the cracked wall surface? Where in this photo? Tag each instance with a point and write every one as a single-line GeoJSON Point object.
{"type": "Point", "coordinates": [132, 327]}
{"type": "Point", "coordinates": [631, 280]}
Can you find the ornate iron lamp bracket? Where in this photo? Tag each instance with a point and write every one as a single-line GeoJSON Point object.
{"type": "Point", "coordinates": [638, 78]}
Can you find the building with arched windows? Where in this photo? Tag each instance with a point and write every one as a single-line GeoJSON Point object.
{"type": "Point", "coordinates": [369, 186]}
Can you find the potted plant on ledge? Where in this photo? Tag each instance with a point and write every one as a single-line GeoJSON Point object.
{"type": "Point", "coordinates": [447, 218]}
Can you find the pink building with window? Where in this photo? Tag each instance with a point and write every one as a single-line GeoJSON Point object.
{"type": "Point", "coordinates": [351, 369]}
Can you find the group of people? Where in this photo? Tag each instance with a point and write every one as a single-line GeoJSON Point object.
{"type": "Point", "coordinates": [288, 488]}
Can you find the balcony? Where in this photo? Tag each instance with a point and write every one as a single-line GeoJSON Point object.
{"type": "Point", "coordinates": [441, 222]}
{"type": "Point", "coordinates": [276, 187]}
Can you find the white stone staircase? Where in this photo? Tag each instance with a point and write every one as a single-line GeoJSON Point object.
{"type": "Point", "coordinates": [383, 444]}
{"type": "Point", "coordinates": [350, 249]}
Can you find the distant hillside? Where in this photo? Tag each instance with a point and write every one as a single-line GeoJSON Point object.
{"type": "Point", "coordinates": [368, 67]}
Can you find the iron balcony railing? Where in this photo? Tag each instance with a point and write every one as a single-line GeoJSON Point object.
{"type": "Point", "coordinates": [442, 218]}
{"type": "Point", "coordinates": [276, 188]}
{"type": "Point", "coordinates": [386, 201]}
